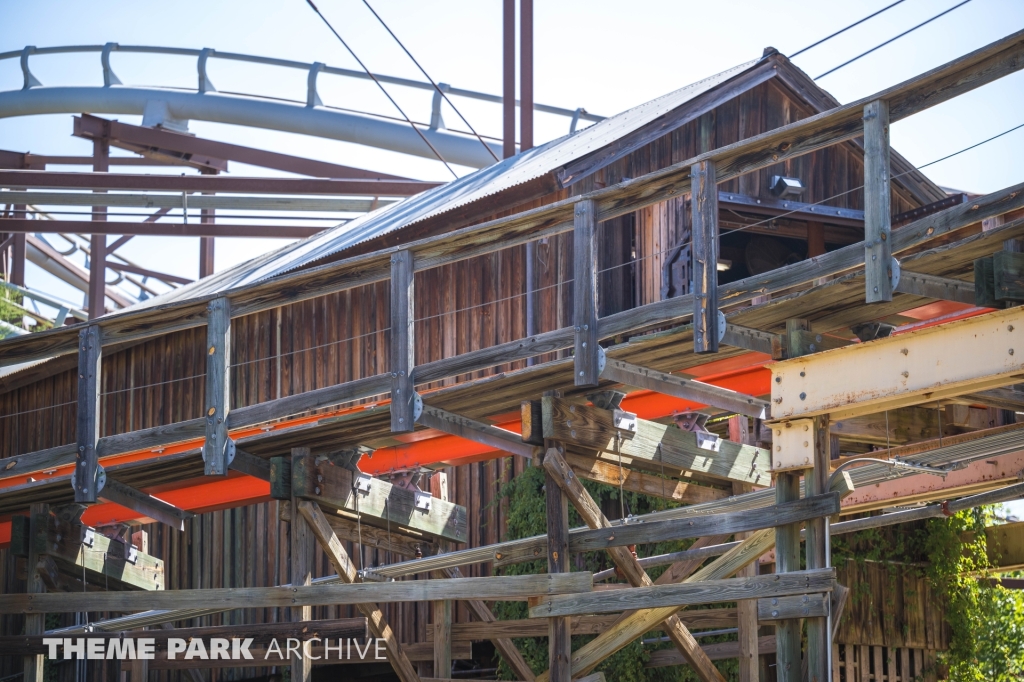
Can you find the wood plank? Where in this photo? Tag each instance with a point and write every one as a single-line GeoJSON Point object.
{"type": "Point", "coordinates": [787, 560]}
{"type": "Point", "coordinates": [302, 558]}
{"type": "Point", "coordinates": [35, 624]}
{"type": "Point", "coordinates": [441, 612]}
{"type": "Point", "coordinates": [349, 530]}
{"type": "Point", "coordinates": [75, 547]}
{"type": "Point", "coordinates": [593, 428]}
{"type": "Point", "coordinates": [932, 286]}
{"type": "Point", "coordinates": [1008, 275]}
{"type": "Point", "coordinates": [503, 588]}
{"type": "Point", "coordinates": [87, 428]}
{"type": "Point", "coordinates": [403, 342]}
{"type": "Point", "coordinates": [638, 482]}
{"type": "Point", "coordinates": [146, 505]}
{"type": "Point", "coordinates": [704, 256]}
{"type": "Point", "coordinates": [559, 635]}
{"type": "Point", "coordinates": [685, 387]}
{"type": "Point", "coordinates": [559, 473]}
{"type": "Point", "coordinates": [819, 641]}
{"type": "Point", "coordinates": [793, 607]}
{"type": "Point", "coordinates": [753, 339]}
{"type": "Point", "coordinates": [471, 429]}
{"type": "Point", "coordinates": [877, 199]}
{"type": "Point", "coordinates": [218, 386]}
{"type": "Point", "coordinates": [586, 370]}
{"type": "Point", "coordinates": [720, 651]}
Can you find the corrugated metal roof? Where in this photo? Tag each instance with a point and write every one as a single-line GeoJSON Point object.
{"type": "Point", "coordinates": [529, 165]}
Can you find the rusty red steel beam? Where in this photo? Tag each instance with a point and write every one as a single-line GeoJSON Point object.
{"type": "Point", "coordinates": [31, 179]}
{"type": "Point", "coordinates": [141, 139]}
{"type": "Point", "coordinates": [154, 229]}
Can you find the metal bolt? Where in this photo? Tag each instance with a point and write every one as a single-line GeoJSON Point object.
{"type": "Point", "coordinates": [572, 433]}
{"type": "Point", "coordinates": [906, 374]}
{"type": "Point", "coordinates": [581, 373]}
{"type": "Point", "coordinates": [1009, 328]}
{"type": "Point", "coordinates": [775, 602]}
{"type": "Point", "coordinates": [1011, 351]}
{"type": "Point", "coordinates": [401, 420]}
{"type": "Point", "coordinates": [778, 379]}
{"type": "Point", "coordinates": [803, 396]}
{"type": "Point", "coordinates": [818, 338]}
{"type": "Point", "coordinates": [803, 374]}
{"type": "Point", "coordinates": [905, 351]}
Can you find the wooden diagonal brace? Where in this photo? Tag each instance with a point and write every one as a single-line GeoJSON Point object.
{"type": "Point", "coordinates": [145, 504]}
{"type": "Point", "coordinates": [685, 388]}
{"type": "Point", "coordinates": [591, 514]}
{"type": "Point", "coordinates": [471, 429]}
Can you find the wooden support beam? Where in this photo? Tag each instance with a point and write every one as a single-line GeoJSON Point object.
{"type": "Point", "coordinates": [347, 572]}
{"type": "Point", "coordinates": [559, 629]}
{"type": "Point", "coordinates": [302, 557]}
{"type": "Point", "coordinates": [819, 641]}
{"type": "Point", "coordinates": [932, 286]}
{"type": "Point", "coordinates": [251, 465]}
{"type": "Point", "coordinates": [686, 388]}
{"type": "Point", "coordinates": [704, 256]}
{"type": "Point", "coordinates": [88, 416]}
{"type": "Point", "coordinates": [441, 625]}
{"type": "Point", "coordinates": [787, 562]}
{"type": "Point", "coordinates": [35, 624]}
{"type": "Point", "coordinates": [218, 386]}
{"type": "Point", "coordinates": [746, 609]}
{"type": "Point", "coordinates": [634, 624]}
{"type": "Point", "coordinates": [924, 365]}
{"type": "Point", "coordinates": [877, 200]}
{"type": "Point", "coordinates": [471, 429]}
{"type": "Point", "coordinates": [638, 482]}
{"type": "Point", "coordinates": [594, 429]}
{"type": "Point", "coordinates": [721, 651]}
{"type": "Point", "coordinates": [98, 242]}
{"type": "Point", "coordinates": [686, 594]}
{"type": "Point", "coordinates": [813, 606]}
{"type": "Point", "coordinates": [375, 501]}
{"type": "Point", "coordinates": [348, 529]}
{"type": "Point", "coordinates": [753, 339]}
{"type": "Point", "coordinates": [505, 588]}
{"type": "Point", "coordinates": [586, 369]}
{"type": "Point", "coordinates": [146, 505]}
{"type": "Point", "coordinates": [559, 472]}
{"type": "Point", "coordinates": [403, 342]}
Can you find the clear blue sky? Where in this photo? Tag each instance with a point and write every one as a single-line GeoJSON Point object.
{"type": "Point", "coordinates": [602, 55]}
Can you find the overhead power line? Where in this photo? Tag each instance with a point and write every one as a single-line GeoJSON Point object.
{"type": "Point", "coordinates": [427, 76]}
{"type": "Point", "coordinates": [911, 30]}
{"type": "Point", "coordinates": [844, 30]}
{"type": "Point", "coordinates": [381, 86]}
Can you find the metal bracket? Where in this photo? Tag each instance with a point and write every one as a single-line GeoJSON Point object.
{"type": "Point", "coordinates": [721, 326]}
{"type": "Point", "coordinates": [204, 81]}
{"type": "Point", "coordinates": [576, 119]}
{"type": "Point", "coordinates": [229, 450]}
{"type": "Point", "coordinates": [101, 478]}
{"type": "Point", "coordinates": [602, 360]}
{"type": "Point", "coordinates": [895, 279]}
{"type": "Point", "coordinates": [362, 483]}
{"type": "Point", "coordinates": [312, 97]}
{"type": "Point", "coordinates": [132, 555]}
{"type": "Point", "coordinates": [423, 501]}
{"type": "Point", "coordinates": [109, 77]}
{"type": "Point", "coordinates": [30, 80]}
{"type": "Point", "coordinates": [89, 537]}
{"type": "Point", "coordinates": [708, 441]}
{"type": "Point", "coordinates": [624, 421]}
{"type": "Point", "coordinates": [368, 575]}
{"type": "Point", "coordinates": [417, 406]}
{"type": "Point", "coordinates": [436, 120]}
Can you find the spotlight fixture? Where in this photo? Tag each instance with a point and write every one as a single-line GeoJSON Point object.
{"type": "Point", "coordinates": [781, 186]}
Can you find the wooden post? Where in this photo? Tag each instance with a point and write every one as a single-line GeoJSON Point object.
{"type": "Point", "coordinates": [88, 420]}
{"type": "Point", "coordinates": [218, 386]}
{"type": "Point", "coordinates": [35, 623]}
{"type": "Point", "coordinates": [586, 373]}
{"type": "Point", "coordinates": [98, 242]}
{"type": "Point", "coordinates": [815, 238]}
{"type": "Point", "coordinates": [138, 670]}
{"type": "Point", "coordinates": [877, 198]}
{"type": "Point", "coordinates": [403, 342]}
{"type": "Point", "coordinates": [508, 78]}
{"type": "Point", "coordinates": [559, 629]}
{"type": "Point", "coordinates": [442, 617]}
{"type": "Point", "coordinates": [746, 611]}
{"type": "Point", "coordinates": [704, 257]}
{"type": "Point", "coordinates": [303, 543]}
{"type": "Point", "coordinates": [819, 640]}
{"type": "Point", "coordinates": [787, 558]}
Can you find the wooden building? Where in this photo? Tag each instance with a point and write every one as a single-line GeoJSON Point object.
{"type": "Point", "coordinates": [319, 336]}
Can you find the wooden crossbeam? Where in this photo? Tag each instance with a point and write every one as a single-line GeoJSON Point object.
{"type": "Point", "coordinates": [924, 365]}
{"type": "Point", "coordinates": [375, 501]}
{"type": "Point", "coordinates": [561, 474]}
{"type": "Point", "coordinates": [639, 482]}
{"type": "Point", "coordinates": [933, 286]}
{"type": "Point", "coordinates": [403, 342]}
{"type": "Point", "coordinates": [495, 588]}
{"type": "Point", "coordinates": [704, 256]}
{"type": "Point", "coordinates": [719, 651]}
{"type": "Point", "coordinates": [347, 528]}
{"type": "Point", "coordinates": [753, 339]}
{"type": "Point", "coordinates": [471, 429]}
{"type": "Point", "coordinates": [595, 429]}
{"type": "Point", "coordinates": [684, 387]}
{"type": "Point", "coordinates": [636, 623]}
{"type": "Point", "coordinates": [144, 504]}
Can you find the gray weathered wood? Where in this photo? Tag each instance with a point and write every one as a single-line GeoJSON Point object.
{"type": "Point", "coordinates": [787, 560]}
{"type": "Point", "coordinates": [403, 342]}
{"type": "Point", "coordinates": [303, 558]}
{"type": "Point", "coordinates": [88, 419]}
{"type": "Point", "coordinates": [471, 429]}
{"type": "Point", "coordinates": [251, 465]}
{"type": "Point", "coordinates": [559, 629]}
{"type": "Point", "coordinates": [819, 643]}
{"type": "Point", "coordinates": [686, 388]}
{"type": "Point", "coordinates": [145, 504]}
{"type": "Point", "coordinates": [595, 429]}
{"type": "Point", "coordinates": [441, 612]}
{"type": "Point", "coordinates": [585, 307]}
{"type": "Point", "coordinates": [35, 624]}
{"type": "Point", "coordinates": [877, 200]}
{"type": "Point", "coordinates": [704, 256]}
{"type": "Point", "coordinates": [218, 386]}
{"type": "Point", "coordinates": [753, 339]}
{"type": "Point", "coordinates": [795, 606]}
{"type": "Point", "coordinates": [79, 550]}
{"type": "Point", "coordinates": [932, 286]}
{"type": "Point", "coordinates": [684, 594]}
